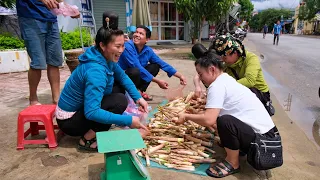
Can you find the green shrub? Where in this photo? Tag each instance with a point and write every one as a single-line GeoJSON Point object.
{"type": "Point", "coordinates": [10, 42]}
{"type": "Point", "coordinates": [71, 40]}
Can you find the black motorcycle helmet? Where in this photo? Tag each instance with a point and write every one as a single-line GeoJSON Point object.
{"type": "Point", "coordinates": [110, 19]}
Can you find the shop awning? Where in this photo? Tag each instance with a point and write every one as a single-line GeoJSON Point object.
{"type": "Point", "coordinates": [140, 15]}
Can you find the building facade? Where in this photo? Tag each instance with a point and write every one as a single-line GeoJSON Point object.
{"type": "Point", "coordinates": [300, 26]}
{"type": "Point", "coordinates": [167, 23]}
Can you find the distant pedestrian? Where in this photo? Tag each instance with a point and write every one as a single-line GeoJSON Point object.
{"type": "Point", "coordinates": [277, 31]}
{"type": "Point", "coordinates": [265, 30]}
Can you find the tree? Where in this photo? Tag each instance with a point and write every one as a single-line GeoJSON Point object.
{"type": "Point", "coordinates": [200, 10]}
{"type": "Point", "coordinates": [254, 23]}
{"type": "Point", "coordinates": [308, 9]}
{"type": "Point", "coordinates": [246, 9]}
{"type": "Point", "coordinates": [269, 17]}
{"type": "Point", "coordinates": [7, 3]}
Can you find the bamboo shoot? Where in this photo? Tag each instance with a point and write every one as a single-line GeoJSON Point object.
{"type": "Point", "coordinates": [210, 150]}
{"type": "Point", "coordinates": [190, 138]}
{"type": "Point", "coordinates": [203, 161]}
{"type": "Point", "coordinates": [154, 149]}
{"type": "Point", "coordinates": [203, 154]}
{"type": "Point", "coordinates": [147, 160]}
{"type": "Point", "coordinates": [166, 139]}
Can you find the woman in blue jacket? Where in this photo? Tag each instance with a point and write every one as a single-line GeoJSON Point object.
{"type": "Point", "coordinates": [93, 97]}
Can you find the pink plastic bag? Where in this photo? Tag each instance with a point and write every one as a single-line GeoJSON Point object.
{"type": "Point", "coordinates": [66, 10]}
{"type": "Point", "coordinates": [133, 110]}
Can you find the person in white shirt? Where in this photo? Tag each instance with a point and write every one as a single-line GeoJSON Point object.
{"type": "Point", "coordinates": [233, 110]}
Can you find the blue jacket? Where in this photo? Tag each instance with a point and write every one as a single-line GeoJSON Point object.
{"type": "Point", "coordinates": [131, 58]}
{"type": "Point", "coordinates": [89, 82]}
{"type": "Point", "coordinates": [34, 9]}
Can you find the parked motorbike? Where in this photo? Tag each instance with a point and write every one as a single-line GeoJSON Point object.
{"type": "Point", "coordinates": [237, 35]}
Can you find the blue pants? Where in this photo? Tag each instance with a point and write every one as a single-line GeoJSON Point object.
{"type": "Point", "coordinates": [42, 40]}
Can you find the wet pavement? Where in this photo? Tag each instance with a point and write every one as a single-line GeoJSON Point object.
{"type": "Point", "coordinates": [293, 67]}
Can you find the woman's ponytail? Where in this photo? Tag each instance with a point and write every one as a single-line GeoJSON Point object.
{"type": "Point", "coordinates": [110, 20]}
{"type": "Point", "coordinates": [108, 30]}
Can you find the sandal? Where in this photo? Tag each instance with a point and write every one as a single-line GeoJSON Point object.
{"type": "Point", "coordinates": [146, 96]}
{"type": "Point", "coordinates": [87, 144]}
{"type": "Point", "coordinates": [218, 168]}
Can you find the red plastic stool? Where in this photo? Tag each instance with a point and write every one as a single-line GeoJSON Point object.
{"type": "Point", "coordinates": [35, 114]}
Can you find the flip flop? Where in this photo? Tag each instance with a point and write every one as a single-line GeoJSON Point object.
{"type": "Point", "coordinates": [146, 96]}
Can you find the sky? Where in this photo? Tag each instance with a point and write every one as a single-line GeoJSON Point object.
{"type": "Point", "coordinates": [291, 4]}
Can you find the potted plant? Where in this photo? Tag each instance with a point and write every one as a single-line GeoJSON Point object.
{"type": "Point", "coordinates": [71, 43]}
{"type": "Point", "coordinates": [72, 58]}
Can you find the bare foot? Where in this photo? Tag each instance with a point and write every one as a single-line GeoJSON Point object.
{"type": "Point", "coordinates": [34, 103]}
{"type": "Point", "coordinates": [55, 102]}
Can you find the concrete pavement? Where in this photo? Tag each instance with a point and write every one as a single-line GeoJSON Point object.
{"type": "Point", "coordinates": [301, 158]}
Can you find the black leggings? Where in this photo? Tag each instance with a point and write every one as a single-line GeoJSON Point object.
{"type": "Point", "coordinates": [134, 75]}
{"type": "Point", "coordinates": [78, 124]}
{"type": "Point", "coordinates": [236, 135]}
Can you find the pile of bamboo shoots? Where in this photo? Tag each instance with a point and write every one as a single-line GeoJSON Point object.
{"type": "Point", "coordinates": [178, 146]}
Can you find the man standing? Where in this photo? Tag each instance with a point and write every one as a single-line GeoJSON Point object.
{"type": "Point", "coordinates": [142, 65]}
{"type": "Point", "coordinates": [277, 31]}
{"type": "Point", "coordinates": [40, 32]}
{"type": "Point", "coordinates": [265, 30]}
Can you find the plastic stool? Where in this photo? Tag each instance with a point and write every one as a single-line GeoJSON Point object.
{"type": "Point", "coordinates": [35, 114]}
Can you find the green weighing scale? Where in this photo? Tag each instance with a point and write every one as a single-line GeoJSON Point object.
{"type": "Point", "coordinates": [121, 162]}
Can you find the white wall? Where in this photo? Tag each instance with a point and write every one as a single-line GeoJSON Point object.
{"type": "Point", "coordinates": [67, 23]}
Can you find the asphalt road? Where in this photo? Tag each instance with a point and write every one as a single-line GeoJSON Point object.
{"type": "Point", "coordinates": [293, 67]}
